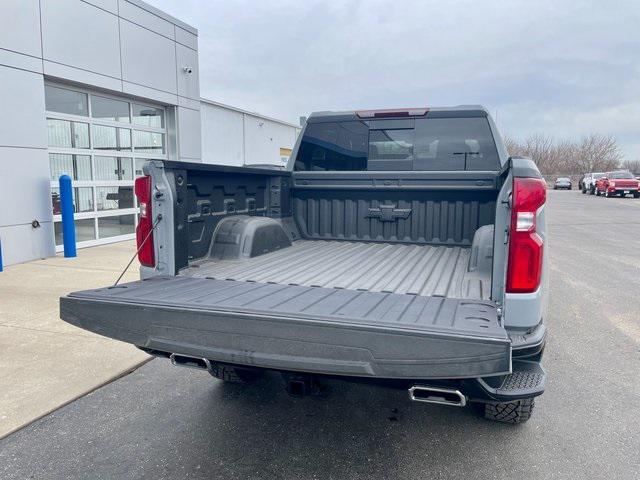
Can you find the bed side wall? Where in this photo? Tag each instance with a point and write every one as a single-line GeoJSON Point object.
{"type": "Point", "coordinates": [204, 195]}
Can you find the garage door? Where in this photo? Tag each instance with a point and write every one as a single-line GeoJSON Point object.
{"type": "Point", "coordinates": [101, 142]}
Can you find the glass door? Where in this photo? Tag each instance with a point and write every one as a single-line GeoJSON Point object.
{"type": "Point", "coordinates": [100, 141]}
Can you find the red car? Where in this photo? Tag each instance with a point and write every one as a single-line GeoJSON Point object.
{"type": "Point", "coordinates": [618, 183]}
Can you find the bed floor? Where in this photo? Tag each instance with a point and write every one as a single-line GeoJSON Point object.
{"type": "Point", "coordinates": [423, 270]}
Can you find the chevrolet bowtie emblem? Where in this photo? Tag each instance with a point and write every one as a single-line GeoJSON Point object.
{"type": "Point", "coordinates": [388, 213]}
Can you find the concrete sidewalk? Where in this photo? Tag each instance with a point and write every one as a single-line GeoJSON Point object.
{"type": "Point", "coordinates": [45, 362]}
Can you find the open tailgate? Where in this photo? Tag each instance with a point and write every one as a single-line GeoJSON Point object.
{"type": "Point", "coordinates": [289, 327]}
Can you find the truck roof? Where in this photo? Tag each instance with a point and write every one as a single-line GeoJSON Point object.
{"type": "Point", "coordinates": [432, 112]}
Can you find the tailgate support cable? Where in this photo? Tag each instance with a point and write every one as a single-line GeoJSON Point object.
{"type": "Point", "coordinates": [153, 227]}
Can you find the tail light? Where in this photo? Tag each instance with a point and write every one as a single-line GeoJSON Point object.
{"type": "Point", "coordinates": [144, 230]}
{"type": "Point", "coordinates": [524, 269]}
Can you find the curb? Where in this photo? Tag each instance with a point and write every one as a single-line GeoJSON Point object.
{"type": "Point", "coordinates": [111, 379]}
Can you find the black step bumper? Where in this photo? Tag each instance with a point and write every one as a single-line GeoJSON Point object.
{"type": "Point", "coordinates": [528, 379]}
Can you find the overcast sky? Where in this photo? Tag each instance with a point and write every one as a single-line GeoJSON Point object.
{"type": "Point", "coordinates": [561, 68]}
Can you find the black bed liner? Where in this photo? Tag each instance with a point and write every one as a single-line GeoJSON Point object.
{"type": "Point", "coordinates": [426, 270]}
{"type": "Point", "coordinates": [288, 327]}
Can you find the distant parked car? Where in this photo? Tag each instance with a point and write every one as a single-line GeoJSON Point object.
{"type": "Point", "coordinates": [562, 183]}
{"type": "Point", "coordinates": [588, 182]}
{"type": "Point", "coordinates": [618, 183]}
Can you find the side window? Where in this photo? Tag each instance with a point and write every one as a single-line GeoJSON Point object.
{"type": "Point", "coordinates": [333, 146]}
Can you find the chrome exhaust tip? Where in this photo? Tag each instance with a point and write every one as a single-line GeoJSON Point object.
{"type": "Point", "coordinates": [437, 395]}
{"type": "Point", "coordinates": [189, 362]}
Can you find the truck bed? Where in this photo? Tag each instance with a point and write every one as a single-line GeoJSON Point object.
{"type": "Point", "coordinates": [392, 281]}
{"type": "Point", "coordinates": [423, 270]}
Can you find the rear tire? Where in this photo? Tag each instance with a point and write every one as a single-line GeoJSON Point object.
{"type": "Point", "coordinates": [230, 374]}
{"type": "Point", "coordinates": [512, 412]}
{"type": "Point", "coordinates": [636, 195]}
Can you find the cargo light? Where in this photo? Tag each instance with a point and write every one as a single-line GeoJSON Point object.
{"type": "Point", "coordinates": [524, 268]}
{"type": "Point", "coordinates": [144, 230]}
{"type": "Point", "coordinates": [408, 112]}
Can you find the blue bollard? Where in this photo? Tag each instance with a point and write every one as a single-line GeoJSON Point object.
{"type": "Point", "coordinates": [0, 255]}
{"type": "Point", "coordinates": [68, 225]}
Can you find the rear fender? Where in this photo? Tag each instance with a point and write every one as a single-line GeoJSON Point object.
{"type": "Point", "coordinates": [523, 311]}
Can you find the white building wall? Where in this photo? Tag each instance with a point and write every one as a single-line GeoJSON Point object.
{"type": "Point", "coordinates": [24, 164]}
{"type": "Point", "coordinates": [232, 136]}
{"type": "Point", "coordinates": [119, 46]}
{"type": "Point", "coordinates": [223, 137]}
{"type": "Point", "coordinates": [264, 139]}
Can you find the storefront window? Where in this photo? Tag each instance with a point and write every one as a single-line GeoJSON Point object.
{"type": "Point", "coordinates": [109, 109]}
{"type": "Point", "coordinates": [78, 167]}
{"type": "Point", "coordinates": [66, 134]}
{"type": "Point", "coordinates": [148, 116]}
{"type": "Point", "coordinates": [62, 100]}
{"type": "Point", "coordinates": [116, 226]}
{"type": "Point", "coordinates": [92, 138]}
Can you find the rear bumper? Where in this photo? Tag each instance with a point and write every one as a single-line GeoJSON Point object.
{"type": "Point", "coordinates": [622, 190]}
{"type": "Point", "coordinates": [527, 380]}
{"type": "Point", "coordinates": [525, 346]}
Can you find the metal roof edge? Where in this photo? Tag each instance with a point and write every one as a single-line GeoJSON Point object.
{"type": "Point", "coordinates": [165, 16]}
{"type": "Point", "coordinates": [248, 112]}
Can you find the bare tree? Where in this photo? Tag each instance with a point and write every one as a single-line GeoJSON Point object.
{"type": "Point", "coordinates": [512, 146]}
{"type": "Point", "coordinates": [632, 165]}
{"type": "Point", "coordinates": [538, 147]}
{"type": "Point", "coordinates": [592, 153]}
{"type": "Point", "coordinates": [598, 153]}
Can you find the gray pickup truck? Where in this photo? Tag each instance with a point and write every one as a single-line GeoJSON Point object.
{"type": "Point", "coordinates": [399, 247]}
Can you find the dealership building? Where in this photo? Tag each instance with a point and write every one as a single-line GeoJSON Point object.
{"type": "Point", "coordinates": [93, 89]}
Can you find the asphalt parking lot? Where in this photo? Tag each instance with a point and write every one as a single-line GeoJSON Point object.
{"type": "Point", "coordinates": [163, 422]}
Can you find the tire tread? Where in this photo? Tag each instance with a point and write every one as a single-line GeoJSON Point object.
{"type": "Point", "coordinates": [515, 412]}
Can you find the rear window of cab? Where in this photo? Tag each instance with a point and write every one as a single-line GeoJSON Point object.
{"type": "Point", "coordinates": [421, 144]}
